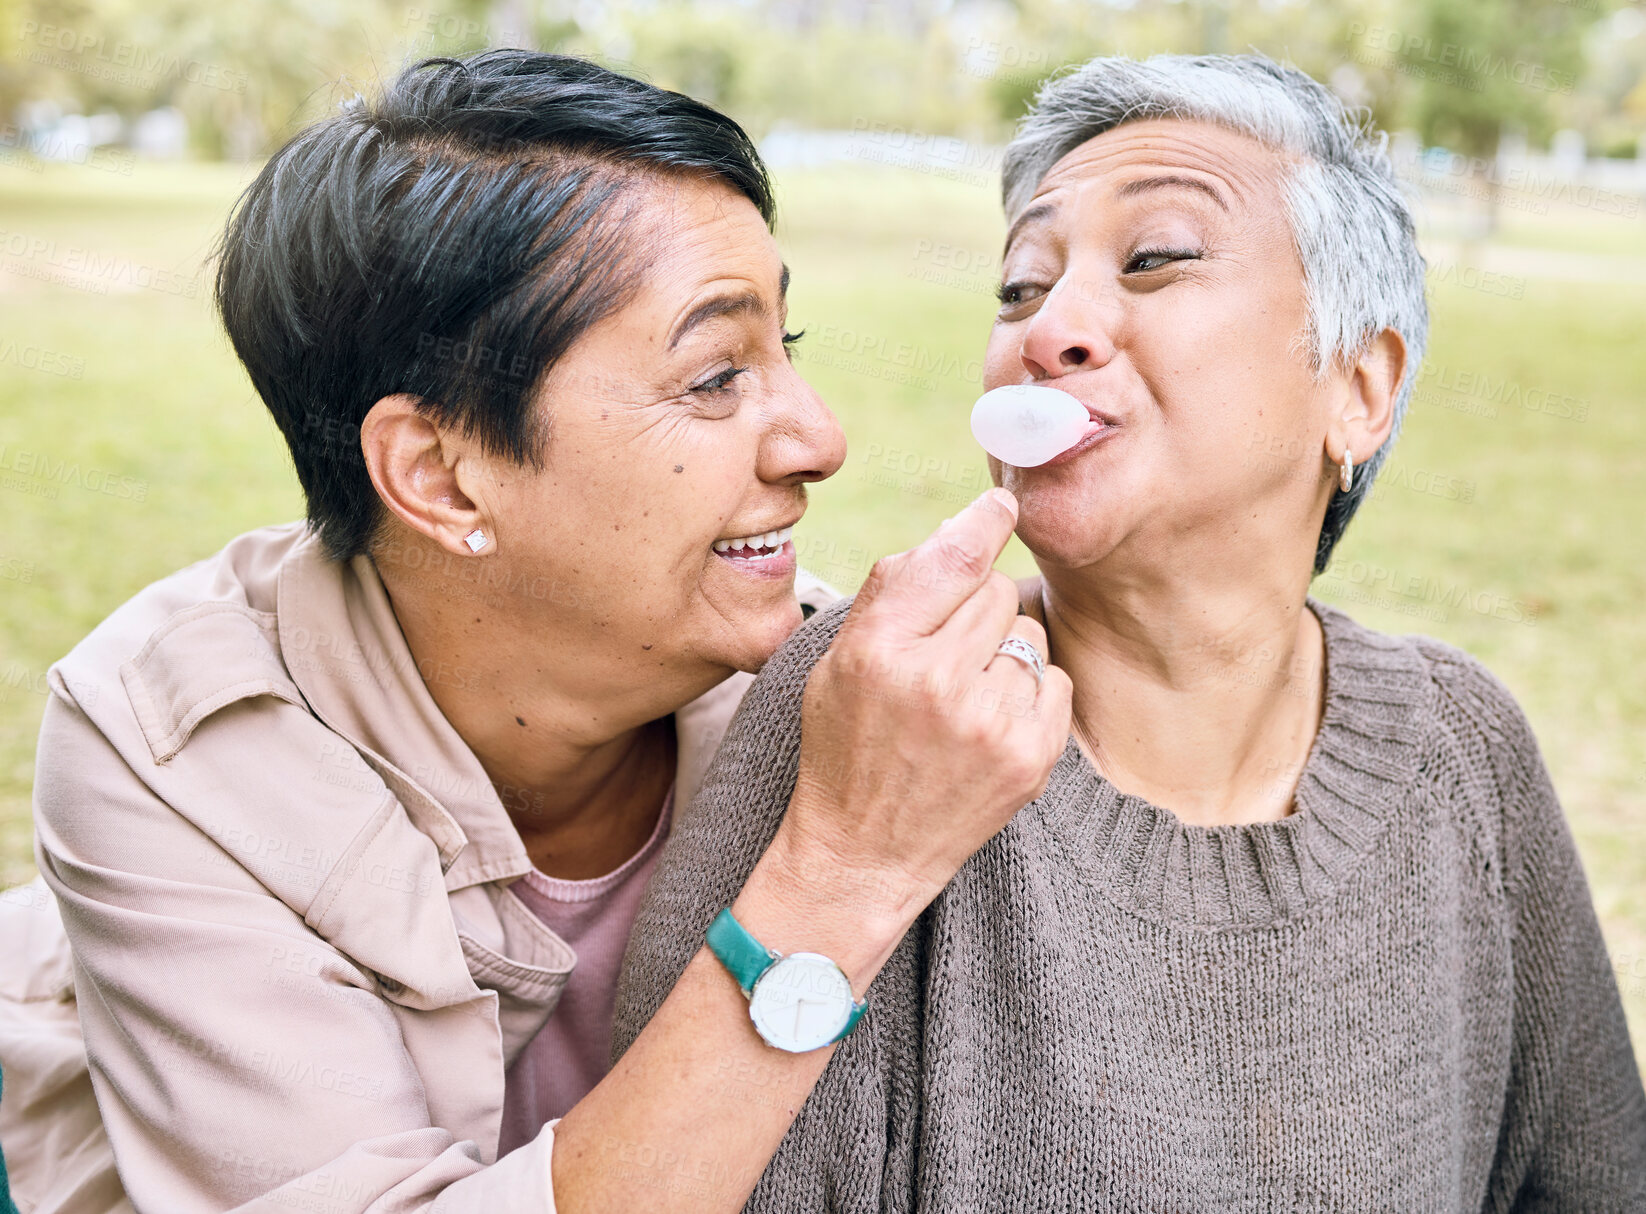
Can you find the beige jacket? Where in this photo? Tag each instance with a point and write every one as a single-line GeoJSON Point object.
{"type": "Point", "coordinates": [297, 969]}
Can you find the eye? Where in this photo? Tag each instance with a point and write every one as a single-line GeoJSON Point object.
{"type": "Point", "coordinates": [1144, 260]}
{"type": "Point", "coordinates": [789, 340]}
{"type": "Point", "coordinates": [1012, 294]}
{"type": "Point", "coordinates": [720, 382]}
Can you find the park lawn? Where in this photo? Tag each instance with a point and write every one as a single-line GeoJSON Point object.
{"type": "Point", "coordinates": [1502, 521]}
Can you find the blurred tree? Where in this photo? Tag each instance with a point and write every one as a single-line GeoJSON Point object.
{"type": "Point", "coordinates": [245, 75]}
{"type": "Point", "coordinates": [1480, 67]}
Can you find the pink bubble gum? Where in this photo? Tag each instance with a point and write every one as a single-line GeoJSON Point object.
{"type": "Point", "coordinates": [1024, 425]}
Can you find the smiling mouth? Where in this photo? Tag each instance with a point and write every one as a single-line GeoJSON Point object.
{"type": "Point", "coordinates": [766, 546]}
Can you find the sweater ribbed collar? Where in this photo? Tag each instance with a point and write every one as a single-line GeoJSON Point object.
{"type": "Point", "coordinates": [1363, 762]}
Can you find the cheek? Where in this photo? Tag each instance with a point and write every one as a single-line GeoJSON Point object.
{"type": "Point", "coordinates": [1001, 364]}
{"type": "Point", "coordinates": [1222, 365]}
{"type": "Point", "coordinates": [682, 484]}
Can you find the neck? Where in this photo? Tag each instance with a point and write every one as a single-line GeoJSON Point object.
{"type": "Point", "coordinates": [579, 742]}
{"type": "Point", "coordinates": [1202, 699]}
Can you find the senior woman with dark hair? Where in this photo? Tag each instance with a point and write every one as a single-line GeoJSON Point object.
{"type": "Point", "coordinates": [347, 824]}
{"type": "Point", "coordinates": [1317, 940]}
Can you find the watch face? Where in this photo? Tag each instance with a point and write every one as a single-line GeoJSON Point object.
{"type": "Point", "coordinates": [801, 1003]}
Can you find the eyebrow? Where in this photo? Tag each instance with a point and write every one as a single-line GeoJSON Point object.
{"type": "Point", "coordinates": [1038, 213]}
{"type": "Point", "coordinates": [1143, 185]}
{"type": "Point", "coordinates": [730, 304]}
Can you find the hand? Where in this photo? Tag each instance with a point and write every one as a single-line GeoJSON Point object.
{"type": "Point", "coordinates": [920, 742]}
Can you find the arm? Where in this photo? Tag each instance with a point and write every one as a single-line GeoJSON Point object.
{"type": "Point", "coordinates": [715, 847]}
{"type": "Point", "coordinates": [241, 1060]}
{"type": "Point", "coordinates": [238, 1058]}
{"type": "Point", "coordinates": [918, 747]}
{"type": "Point", "coordinates": [1573, 1135]}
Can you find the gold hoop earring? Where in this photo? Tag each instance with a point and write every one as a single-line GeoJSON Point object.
{"type": "Point", "coordinates": [1346, 471]}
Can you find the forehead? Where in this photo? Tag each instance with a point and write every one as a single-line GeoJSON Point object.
{"type": "Point", "coordinates": [1250, 173]}
{"type": "Point", "coordinates": [695, 225]}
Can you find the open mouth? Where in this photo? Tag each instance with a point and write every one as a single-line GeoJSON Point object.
{"type": "Point", "coordinates": [767, 546]}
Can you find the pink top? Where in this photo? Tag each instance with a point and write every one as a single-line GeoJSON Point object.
{"type": "Point", "coordinates": [569, 1055]}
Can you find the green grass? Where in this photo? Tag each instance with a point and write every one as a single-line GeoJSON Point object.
{"type": "Point", "coordinates": [892, 276]}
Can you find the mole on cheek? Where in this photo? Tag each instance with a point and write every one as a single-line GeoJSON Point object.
{"type": "Point", "coordinates": [680, 467]}
{"type": "Point", "coordinates": [519, 720]}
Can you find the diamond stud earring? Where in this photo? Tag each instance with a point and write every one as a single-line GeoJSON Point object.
{"type": "Point", "coordinates": [476, 540]}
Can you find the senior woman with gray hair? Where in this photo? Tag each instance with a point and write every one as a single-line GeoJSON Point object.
{"type": "Point", "coordinates": [1317, 939]}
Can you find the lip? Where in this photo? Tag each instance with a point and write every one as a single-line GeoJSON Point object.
{"type": "Point", "coordinates": [737, 535]}
{"type": "Point", "coordinates": [770, 568]}
{"type": "Point", "coordinates": [1099, 429]}
{"type": "Point", "coordinates": [778, 568]}
{"type": "Point", "coordinates": [1061, 385]}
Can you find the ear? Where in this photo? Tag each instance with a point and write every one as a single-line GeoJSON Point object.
{"type": "Point", "coordinates": [419, 471]}
{"type": "Point", "coordinates": [1363, 423]}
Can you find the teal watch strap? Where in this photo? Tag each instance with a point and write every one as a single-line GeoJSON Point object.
{"type": "Point", "coordinates": [747, 959]}
{"type": "Point", "coordinates": [858, 1008]}
{"type": "Point", "coordinates": [738, 951]}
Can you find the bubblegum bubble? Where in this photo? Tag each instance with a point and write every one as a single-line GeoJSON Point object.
{"type": "Point", "coordinates": [1025, 426]}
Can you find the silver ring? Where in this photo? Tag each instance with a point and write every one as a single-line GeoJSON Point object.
{"type": "Point", "coordinates": [1017, 647]}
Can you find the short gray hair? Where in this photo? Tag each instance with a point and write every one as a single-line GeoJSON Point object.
{"type": "Point", "coordinates": [1362, 272]}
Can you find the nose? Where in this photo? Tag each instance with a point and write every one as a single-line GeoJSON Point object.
{"type": "Point", "coordinates": [1071, 331]}
{"type": "Point", "coordinates": [804, 441]}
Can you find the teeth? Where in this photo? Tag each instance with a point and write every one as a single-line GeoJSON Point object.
{"type": "Point", "coordinates": [770, 539]}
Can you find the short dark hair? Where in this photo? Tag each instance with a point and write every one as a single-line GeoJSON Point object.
{"type": "Point", "coordinates": [450, 240]}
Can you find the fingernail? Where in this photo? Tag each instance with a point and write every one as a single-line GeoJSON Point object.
{"type": "Point", "coordinates": [1004, 498]}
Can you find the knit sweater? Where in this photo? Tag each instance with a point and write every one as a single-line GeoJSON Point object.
{"type": "Point", "coordinates": [1395, 999]}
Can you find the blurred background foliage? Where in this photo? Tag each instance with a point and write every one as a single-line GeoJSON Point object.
{"type": "Point", "coordinates": [244, 76]}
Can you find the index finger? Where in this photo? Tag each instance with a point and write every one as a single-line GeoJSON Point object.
{"type": "Point", "coordinates": [919, 590]}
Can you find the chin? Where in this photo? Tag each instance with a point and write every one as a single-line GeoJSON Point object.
{"type": "Point", "coordinates": [1067, 536]}
{"type": "Point", "coordinates": [763, 633]}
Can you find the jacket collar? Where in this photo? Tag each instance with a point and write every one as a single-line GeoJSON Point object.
{"type": "Point", "coordinates": [360, 678]}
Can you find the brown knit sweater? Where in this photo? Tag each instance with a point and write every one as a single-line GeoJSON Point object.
{"type": "Point", "coordinates": [1396, 999]}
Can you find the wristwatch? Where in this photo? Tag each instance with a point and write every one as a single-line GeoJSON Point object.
{"type": "Point", "coordinates": [798, 1002]}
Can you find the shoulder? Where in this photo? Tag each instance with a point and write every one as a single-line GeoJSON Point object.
{"type": "Point", "coordinates": [1475, 748]}
{"type": "Point", "coordinates": [185, 638]}
{"type": "Point", "coordinates": [126, 700]}
{"type": "Point", "coordinates": [1451, 685]}
{"type": "Point", "coordinates": [778, 687]}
